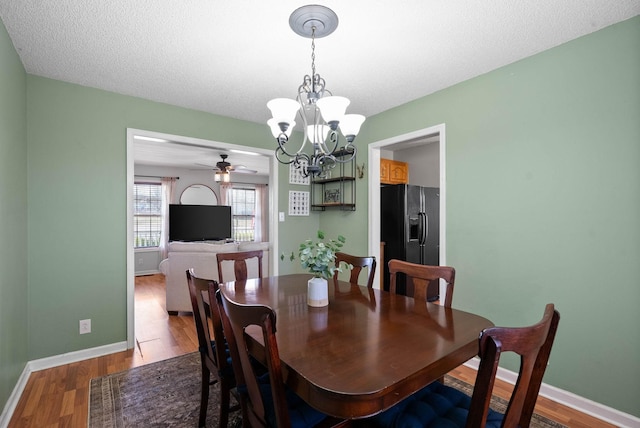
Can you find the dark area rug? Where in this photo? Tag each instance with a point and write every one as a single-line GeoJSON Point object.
{"type": "Point", "coordinates": [167, 394]}
{"type": "Point", "coordinates": [162, 394]}
{"type": "Point", "coordinates": [500, 405]}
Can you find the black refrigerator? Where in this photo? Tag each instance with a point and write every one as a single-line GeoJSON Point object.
{"type": "Point", "coordinates": [410, 229]}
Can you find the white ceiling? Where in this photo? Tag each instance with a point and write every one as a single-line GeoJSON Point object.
{"type": "Point", "coordinates": [193, 156]}
{"type": "Point", "coordinates": [231, 57]}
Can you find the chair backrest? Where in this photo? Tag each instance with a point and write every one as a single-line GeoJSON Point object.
{"type": "Point", "coordinates": [358, 263]}
{"type": "Point", "coordinates": [239, 263]}
{"type": "Point", "coordinates": [237, 318]}
{"type": "Point", "coordinates": [533, 344]}
{"type": "Point", "coordinates": [207, 332]}
{"type": "Point", "coordinates": [421, 276]}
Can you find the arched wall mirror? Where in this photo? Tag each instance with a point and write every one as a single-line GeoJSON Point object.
{"type": "Point", "coordinates": [198, 194]}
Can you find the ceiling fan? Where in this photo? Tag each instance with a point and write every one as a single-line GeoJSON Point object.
{"type": "Point", "coordinates": [224, 167]}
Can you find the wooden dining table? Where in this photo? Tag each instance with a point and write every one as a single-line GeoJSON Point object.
{"type": "Point", "coordinates": [365, 351]}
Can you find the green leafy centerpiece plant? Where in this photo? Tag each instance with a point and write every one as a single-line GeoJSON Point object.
{"type": "Point", "coordinates": [318, 257]}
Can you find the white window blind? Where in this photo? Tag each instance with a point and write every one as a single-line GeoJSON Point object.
{"type": "Point", "coordinates": [243, 211]}
{"type": "Point", "coordinates": [147, 217]}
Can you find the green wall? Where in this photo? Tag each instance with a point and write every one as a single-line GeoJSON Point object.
{"type": "Point", "coordinates": [77, 204]}
{"type": "Point", "coordinates": [13, 218]}
{"type": "Point", "coordinates": [543, 201]}
{"type": "Point", "coordinates": [543, 196]}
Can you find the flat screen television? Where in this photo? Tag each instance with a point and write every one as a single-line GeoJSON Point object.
{"type": "Point", "coordinates": [199, 222]}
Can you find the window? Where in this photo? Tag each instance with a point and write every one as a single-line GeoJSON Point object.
{"type": "Point", "coordinates": [243, 212]}
{"type": "Point", "coordinates": [147, 216]}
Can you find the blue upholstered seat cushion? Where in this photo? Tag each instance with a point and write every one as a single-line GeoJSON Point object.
{"type": "Point", "coordinates": [434, 406]}
{"type": "Point", "coordinates": [301, 414]}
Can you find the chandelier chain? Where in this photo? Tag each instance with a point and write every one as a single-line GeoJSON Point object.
{"type": "Point", "coordinates": [313, 53]}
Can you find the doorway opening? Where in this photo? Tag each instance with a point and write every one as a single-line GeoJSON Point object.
{"type": "Point", "coordinates": [130, 168]}
{"type": "Point", "coordinates": [422, 137]}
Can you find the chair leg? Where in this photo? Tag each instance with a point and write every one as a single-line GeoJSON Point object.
{"type": "Point", "coordinates": [204, 396]}
{"type": "Point", "coordinates": [245, 412]}
{"type": "Point", "coordinates": [225, 400]}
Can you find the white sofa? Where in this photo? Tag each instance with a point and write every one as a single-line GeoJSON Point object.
{"type": "Point", "coordinates": [201, 256]}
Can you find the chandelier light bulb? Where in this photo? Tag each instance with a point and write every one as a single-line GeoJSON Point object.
{"type": "Point", "coordinates": [350, 124]}
{"type": "Point", "coordinates": [284, 108]}
{"type": "Point", "coordinates": [317, 133]}
{"type": "Point", "coordinates": [333, 109]}
{"type": "Point", "coordinates": [276, 130]}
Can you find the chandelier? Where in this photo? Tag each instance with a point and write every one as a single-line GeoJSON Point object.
{"type": "Point", "coordinates": [321, 113]}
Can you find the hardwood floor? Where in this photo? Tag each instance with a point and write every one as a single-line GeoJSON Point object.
{"type": "Point", "coordinates": [58, 397]}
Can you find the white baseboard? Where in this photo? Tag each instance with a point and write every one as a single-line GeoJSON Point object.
{"type": "Point", "coordinates": [12, 402]}
{"type": "Point", "coordinates": [147, 272]}
{"type": "Point", "coordinates": [569, 399]}
{"type": "Point", "coordinates": [50, 362]}
{"type": "Point", "coordinates": [72, 357]}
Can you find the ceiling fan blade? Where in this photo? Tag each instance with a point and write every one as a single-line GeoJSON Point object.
{"type": "Point", "coordinates": [205, 165]}
{"type": "Point", "coordinates": [224, 165]}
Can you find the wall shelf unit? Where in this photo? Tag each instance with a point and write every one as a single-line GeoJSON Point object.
{"type": "Point", "coordinates": [337, 190]}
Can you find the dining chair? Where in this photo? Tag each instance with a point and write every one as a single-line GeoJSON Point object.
{"type": "Point", "coordinates": [266, 401]}
{"type": "Point", "coordinates": [211, 345]}
{"type": "Point", "coordinates": [421, 276]}
{"type": "Point", "coordinates": [357, 263]}
{"type": "Point", "coordinates": [440, 405]}
{"type": "Point", "coordinates": [239, 264]}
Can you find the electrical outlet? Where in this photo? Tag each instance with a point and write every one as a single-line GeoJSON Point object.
{"type": "Point", "coordinates": [85, 326]}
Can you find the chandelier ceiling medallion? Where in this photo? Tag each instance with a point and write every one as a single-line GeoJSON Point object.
{"type": "Point", "coordinates": [321, 113]}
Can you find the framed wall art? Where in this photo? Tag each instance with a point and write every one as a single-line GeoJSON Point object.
{"type": "Point", "coordinates": [332, 196]}
{"type": "Point", "coordinates": [296, 176]}
{"type": "Point", "coordinates": [298, 203]}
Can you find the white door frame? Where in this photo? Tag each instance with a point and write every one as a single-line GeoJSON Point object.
{"type": "Point", "coordinates": [374, 191]}
{"type": "Point", "coordinates": [273, 202]}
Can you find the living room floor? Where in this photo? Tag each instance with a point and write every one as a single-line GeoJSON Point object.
{"type": "Point", "coordinates": [158, 335]}
{"type": "Point", "coordinates": [58, 397]}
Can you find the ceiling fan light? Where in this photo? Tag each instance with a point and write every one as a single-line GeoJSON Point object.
{"type": "Point", "coordinates": [332, 108]}
{"type": "Point", "coordinates": [284, 108]}
{"type": "Point", "coordinates": [222, 176]}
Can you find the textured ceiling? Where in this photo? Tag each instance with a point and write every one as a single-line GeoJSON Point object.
{"type": "Point", "coordinates": [231, 57]}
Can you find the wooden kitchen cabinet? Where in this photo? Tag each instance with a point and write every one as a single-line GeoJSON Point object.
{"type": "Point", "coordinates": [393, 172]}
